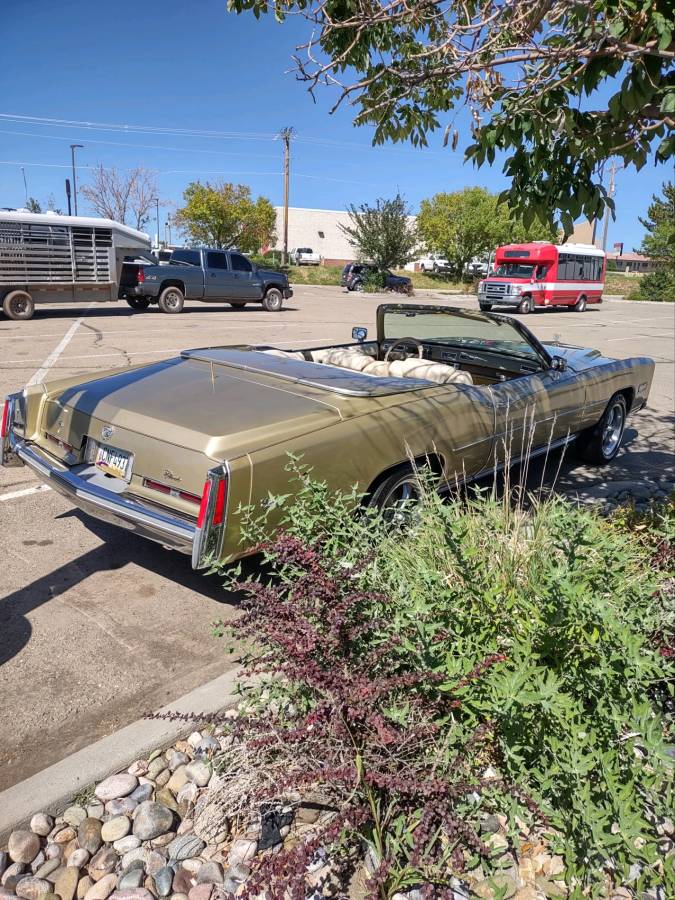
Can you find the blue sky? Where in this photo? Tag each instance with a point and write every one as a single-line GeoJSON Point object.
{"type": "Point", "coordinates": [175, 66]}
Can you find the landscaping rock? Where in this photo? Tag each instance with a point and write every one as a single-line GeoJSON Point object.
{"type": "Point", "coordinates": [103, 863]}
{"type": "Point", "coordinates": [4, 861]}
{"type": "Point", "coordinates": [65, 884]}
{"type": "Point", "coordinates": [116, 786]}
{"type": "Point", "coordinates": [210, 873]}
{"type": "Point", "coordinates": [41, 824]}
{"type": "Point", "coordinates": [151, 820]}
{"type": "Point", "coordinates": [131, 879]}
{"type": "Point", "coordinates": [89, 835]}
{"type": "Point", "coordinates": [63, 834]}
{"type": "Point", "coordinates": [200, 892]}
{"type": "Point", "coordinates": [185, 846]}
{"type": "Point", "coordinates": [103, 888]}
{"type": "Point", "coordinates": [183, 881]}
{"type": "Point", "coordinates": [95, 810]}
{"type": "Point", "coordinates": [177, 779]}
{"type": "Point", "coordinates": [125, 806]}
{"type": "Point", "coordinates": [75, 815]}
{"type": "Point", "coordinates": [37, 862]}
{"type": "Point", "coordinates": [23, 846]}
{"type": "Point", "coordinates": [143, 792]}
{"type": "Point", "coordinates": [31, 888]}
{"type": "Point", "coordinates": [12, 875]}
{"type": "Point", "coordinates": [83, 886]}
{"type": "Point", "coordinates": [115, 829]}
{"type": "Point", "coordinates": [241, 851]}
{"type": "Point", "coordinates": [164, 880]}
{"type": "Point", "coordinates": [198, 772]}
{"type": "Point", "coordinates": [78, 858]}
{"type": "Point", "coordinates": [47, 867]}
{"type": "Point", "coordinates": [132, 894]}
{"type": "Point", "coordinates": [125, 844]}
{"type": "Point", "coordinates": [166, 798]}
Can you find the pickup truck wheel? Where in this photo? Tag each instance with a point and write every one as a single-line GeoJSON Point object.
{"type": "Point", "coordinates": [171, 300]}
{"type": "Point", "coordinates": [273, 300]}
{"type": "Point", "coordinates": [526, 305]}
{"type": "Point", "coordinates": [138, 303]}
{"type": "Point", "coordinates": [396, 497]}
{"type": "Point", "coordinates": [601, 443]}
{"type": "Point", "coordinates": [237, 304]}
{"type": "Point", "coordinates": [18, 305]}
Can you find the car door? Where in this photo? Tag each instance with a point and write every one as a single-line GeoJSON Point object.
{"type": "Point", "coordinates": [220, 283]}
{"type": "Point", "coordinates": [249, 283]}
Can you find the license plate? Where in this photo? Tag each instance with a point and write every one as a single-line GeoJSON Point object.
{"type": "Point", "coordinates": [112, 461]}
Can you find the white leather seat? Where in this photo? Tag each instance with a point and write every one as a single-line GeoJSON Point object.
{"type": "Point", "coordinates": [428, 370]}
{"type": "Point", "coordinates": [377, 368]}
{"type": "Point", "coordinates": [347, 359]}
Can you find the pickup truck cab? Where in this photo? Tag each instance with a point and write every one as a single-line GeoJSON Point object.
{"type": "Point", "coordinates": [210, 275]}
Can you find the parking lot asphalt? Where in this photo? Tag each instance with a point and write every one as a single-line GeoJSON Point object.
{"type": "Point", "coordinates": [98, 627]}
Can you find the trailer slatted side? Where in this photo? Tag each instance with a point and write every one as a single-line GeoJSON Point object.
{"type": "Point", "coordinates": [54, 254]}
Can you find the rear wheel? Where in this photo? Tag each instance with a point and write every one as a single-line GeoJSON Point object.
{"type": "Point", "coordinates": [138, 303]}
{"type": "Point", "coordinates": [601, 443]}
{"type": "Point", "coordinates": [397, 496]}
{"type": "Point", "coordinates": [273, 300]}
{"type": "Point", "coordinates": [526, 305]}
{"type": "Point", "coordinates": [580, 305]}
{"type": "Point", "coordinates": [18, 305]}
{"type": "Point", "coordinates": [171, 300]}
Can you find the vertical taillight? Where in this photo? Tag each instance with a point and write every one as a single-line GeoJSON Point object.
{"type": "Point", "coordinates": [5, 419]}
{"type": "Point", "coordinates": [204, 505]}
{"type": "Point", "coordinates": [219, 507]}
{"type": "Point", "coordinates": [140, 277]}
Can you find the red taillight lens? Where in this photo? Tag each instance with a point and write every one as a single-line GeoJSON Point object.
{"type": "Point", "coordinates": [5, 419]}
{"type": "Point", "coordinates": [204, 504]}
{"type": "Point", "coordinates": [173, 492]}
{"type": "Point", "coordinates": [219, 511]}
{"type": "Point", "coordinates": [140, 278]}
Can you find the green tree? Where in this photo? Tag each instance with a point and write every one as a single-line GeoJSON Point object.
{"type": "Point", "coordinates": [472, 222]}
{"type": "Point", "coordinates": [659, 241]}
{"type": "Point", "coordinates": [32, 205]}
{"type": "Point", "coordinates": [225, 215]}
{"type": "Point", "coordinates": [384, 234]}
{"type": "Point", "coordinates": [558, 86]}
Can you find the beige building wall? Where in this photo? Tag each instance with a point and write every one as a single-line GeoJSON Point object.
{"type": "Point", "coordinates": [318, 229]}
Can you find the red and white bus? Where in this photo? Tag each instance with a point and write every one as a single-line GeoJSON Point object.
{"type": "Point", "coordinates": [544, 274]}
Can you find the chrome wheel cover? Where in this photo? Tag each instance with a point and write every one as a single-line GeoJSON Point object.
{"type": "Point", "coordinates": [612, 431]}
{"type": "Point", "coordinates": [399, 502]}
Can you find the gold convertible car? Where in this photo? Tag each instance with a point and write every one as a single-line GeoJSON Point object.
{"type": "Point", "coordinates": [171, 450]}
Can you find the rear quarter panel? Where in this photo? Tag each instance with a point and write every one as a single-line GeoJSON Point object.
{"type": "Point", "coordinates": [606, 377]}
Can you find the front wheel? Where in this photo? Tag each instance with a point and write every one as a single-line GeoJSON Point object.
{"type": "Point", "coordinates": [171, 300]}
{"type": "Point", "coordinates": [485, 307]}
{"type": "Point", "coordinates": [273, 300]}
{"type": "Point", "coordinates": [601, 443]}
{"type": "Point", "coordinates": [138, 303]}
{"type": "Point", "coordinates": [396, 497]}
{"type": "Point", "coordinates": [580, 305]}
{"type": "Point", "coordinates": [18, 305]}
{"type": "Point", "coordinates": [526, 305]}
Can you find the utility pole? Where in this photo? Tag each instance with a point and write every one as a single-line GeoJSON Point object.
{"type": "Point", "coordinates": [610, 194]}
{"type": "Point", "coordinates": [286, 134]}
{"type": "Point", "coordinates": [73, 148]}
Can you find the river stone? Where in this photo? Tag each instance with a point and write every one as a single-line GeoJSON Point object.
{"type": "Point", "coordinates": [126, 806]}
{"type": "Point", "coordinates": [103, 888]}
{"type": "Point", "coordinates": [125, 844]}
{"type": "Point", "coordinates": [78, 858]}
{"type": "Point", "coordinates": [131, 879]}
{"type": "Point", "coordinates": [142, 792]}
{"type": "Point", "coordinates": [176, 759]}
{"type": "Point", "coordinates": [23, 846]}
{"type": "Point", "coordinates": [156, 766]}
{"type": "Point", "coordinates": [178, 779]}
{"type": "Point", "coordinates": [187, 794]}
{"type": "Point", "coordinates": [164, 881]}
{"type": "Point", "coordinates": [132, 894]}
{"type": "Point", "coordinates": [31, 888]}
{"type": "Point", "coordinates": [115, 829]}
{"type": "Point", "coordinates": [156, 861]}
{"type": "Point", "coordinates": [47, 867]}
{"type": "Point", "coordinates": [95, 810]}
{"type": "Point", "coordinates": [163, 840]}
{"type": "Point", "coordinates": [41, 824]}
{"type": "Point", "coordinates": [166, 798]}
{"type": "Point", "coordinates": [9, 895]}
{"type": "Point", "coordinates": [89, 835]}
{"type": "Point", "coordinates": [183, 881]}
{"type": "Point", "coordinates": [70, 848]}
{"type": "Point", "coordinates": [12, 875]}
{"type": "Point", "coordinates": [210, 873]}
{"type": "Point", "coordinates": [207, 746]}
{"type": "Point", "coordinates": [64, 835]}
{"type": "Point", "coordinates": [103, 863]}
{"type": "Point", "coordinates": [185, 846]}
{"type": "Point", "coordinates": [241, 851]}
{"type": "Point", "coordinates": [4, 861]}
{"type": "Point", "coordinates": [200, 892]}
{"type": "Point", "coordinates": [75, 815]}
{"type": "Point", "coordinates": [151, 820]}
{"type": "Point", "coordinates": [135, 858]}
{"type": "Point", "coordinates": [116, 786]}
{"type": "Point", "coordinates": [65, 884]}
{"type": "Point", "coordinates": [138, 768]}
{"type": "Point", "coordinates": [83, 886]}
{"type": "Point", "coordinates": [198, 772]}
{"type": "Point", "coordinates": [37, 862]}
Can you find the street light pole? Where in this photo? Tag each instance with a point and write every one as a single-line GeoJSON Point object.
{"type": "Point", "coordinates": [157, 202]}
{"type": "Point", "coordinates": [25, 184]}
{"type": "Point", "coordinates": [73, 148]}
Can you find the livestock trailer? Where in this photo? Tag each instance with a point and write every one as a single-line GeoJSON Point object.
{"type": "Point", "coordinates": [49, 258]}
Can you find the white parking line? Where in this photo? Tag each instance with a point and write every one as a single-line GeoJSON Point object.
{"type": "Point", "coordinates": [13, 495]}
{"type": "Point", "coordinates": [58, 350]}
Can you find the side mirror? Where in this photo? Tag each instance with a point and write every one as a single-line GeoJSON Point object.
{"type": "Point", "coordinates": [359, 334]}
{"type": "Point", "coordinates": [559, 364]}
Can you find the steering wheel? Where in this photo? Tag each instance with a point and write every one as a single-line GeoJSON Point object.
{"type": "Point", "coordinates": [406, 340]}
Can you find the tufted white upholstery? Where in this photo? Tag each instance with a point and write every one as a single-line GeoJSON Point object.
{"type": "Point", "coordinates": [429, 371]}
{"type": "Point", "coordinates": [378, 368]}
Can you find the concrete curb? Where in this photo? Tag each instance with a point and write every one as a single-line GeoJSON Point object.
{"type": "Point", "coordinates": [52, 789]}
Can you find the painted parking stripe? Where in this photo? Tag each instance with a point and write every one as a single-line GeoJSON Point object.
{"type": "Point", "coordinates": [38, 377]}
{"type": "Point", "coordinates": [14, 495]}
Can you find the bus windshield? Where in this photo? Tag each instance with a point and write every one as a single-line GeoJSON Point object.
{"type": "Point", "coordinates": [514, 270]}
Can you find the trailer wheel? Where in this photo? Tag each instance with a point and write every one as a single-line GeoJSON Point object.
{"type": "Point", "coordinates": [18, 305]}
{"type": "Point", "coordinates": [273, 300]}
{"type": "Point", "coordinates": [171, 300]}
{"type": "Point", "coordinates": [138, 303]}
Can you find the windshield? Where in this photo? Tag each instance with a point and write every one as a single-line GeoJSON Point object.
{"type": "Point", "coordinates": [458, 328]}
{"type": "Point", "coordinates": [514, 270]}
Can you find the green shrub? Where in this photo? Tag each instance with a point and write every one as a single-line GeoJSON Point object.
{"type": "Point", "coordinates": [659, 285]}
{"type": "Point", "coordinates": [574, 606]}
{"type": "Point", "coordinates": [374, 282]}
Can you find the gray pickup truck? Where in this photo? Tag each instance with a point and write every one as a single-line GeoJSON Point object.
{"type": "Point", "coordinates": [213, 276]}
